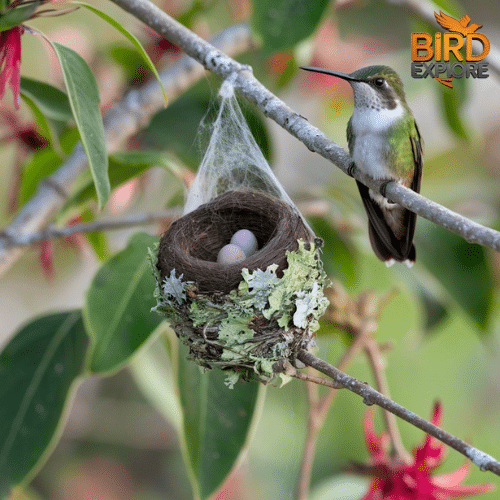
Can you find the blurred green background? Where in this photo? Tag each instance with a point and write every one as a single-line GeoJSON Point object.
{"type": "Point", "coordinates": [444, 323]}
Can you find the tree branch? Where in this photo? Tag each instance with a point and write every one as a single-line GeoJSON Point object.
{"type": "Point", "coordinates": [312, 208]}
{"type": "Point", "coordinates": [128, 116]}
{"type": "Point", "coordinates": [371, 396]}
{"type": "Point", "coordinates": [315, 140]}
{"type": "Point", "coordinates": [53, 232]}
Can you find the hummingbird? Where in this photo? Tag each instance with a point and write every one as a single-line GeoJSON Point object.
{"type": "Point", "coordinates": [384, 143]}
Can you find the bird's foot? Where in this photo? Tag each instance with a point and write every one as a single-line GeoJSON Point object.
{"type": "Point", "coordinates": [383, 188]}
{"type": "Point", "coordinates": [351, 169]}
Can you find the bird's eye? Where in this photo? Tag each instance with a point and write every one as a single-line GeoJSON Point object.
{"type": "Point", "coordinates": [379, 82]}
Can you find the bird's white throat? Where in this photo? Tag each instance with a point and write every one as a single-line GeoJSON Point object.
{"type": "Point", "coordinates": [371, 146]}
{"type": "Point", "coordinates": [368, 120]}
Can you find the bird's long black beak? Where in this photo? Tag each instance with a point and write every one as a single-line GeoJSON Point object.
{"type": "Point", "coordinates": [344, 76]}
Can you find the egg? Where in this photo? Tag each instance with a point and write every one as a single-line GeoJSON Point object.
{"type": "Point", "coordinates": [230, 254]}
{"type": "Point", "coordinates": [246, 240]}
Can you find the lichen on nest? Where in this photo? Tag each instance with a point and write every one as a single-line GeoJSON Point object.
{"type": "Point", "coordinates": [266, 318]}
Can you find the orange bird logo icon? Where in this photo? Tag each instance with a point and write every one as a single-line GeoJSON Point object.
{"type": "Point", "coordinates": [451, 24]}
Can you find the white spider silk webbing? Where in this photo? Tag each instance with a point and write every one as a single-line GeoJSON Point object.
{"type": "Point", "coordinates": [233, 160]}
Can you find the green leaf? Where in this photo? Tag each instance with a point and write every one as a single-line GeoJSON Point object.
{"type": "Point", "coordinates": [97, 240]}
{"type": "Point", "coordinates": [52, 102]}
{"type": "Point", "coordinates": [17, 15]}
{"type": "Point", "coordinates": [155, 376]}
{"type": "Point", "coordinates": [84, 100]}
{"type": "Point", "coordinates": [123, 166]}
{"type": "Point", "coordinates": [132, 39]}
{"type": "Point", "coordinates": [99, 244]}
{"type": "Point", "coordinates": [167, 131]}
{"type": "Point", "coordinates": [462, 268]}
{"type": "Point", "coordinates": [288, 72]}
{"type": "Point", "coordinates": [38, 370]}
{"type": "Point", "coordinates": [281, 24]}
{"type": "Point", "coordinates": [43, 125]}
{"type": "Point", "coordinates": [42, 164]}
{"type": "Point", "coordinates": [453, 101]}
{"type": "Point", "coordinates": [217, 422]}
{"type": "Point", "coordinates": [338, 257]}
{"type": "Point", "coordinates": [450, 7]}
{"type": "Point", "coordinates": [435, 311]}
{"type": "Point", "coordinates": [117, 311]}
{"type": "Point", "coordinates": [129, 60]}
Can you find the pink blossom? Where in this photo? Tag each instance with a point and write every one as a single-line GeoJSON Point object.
{"type": "Point", "coordinates": [10, 62]}
{"type": "Point", "coordinates": [394, 480]}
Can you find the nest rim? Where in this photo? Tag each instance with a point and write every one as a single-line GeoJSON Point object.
{"type": "Point", "coordinates": [191, 243]}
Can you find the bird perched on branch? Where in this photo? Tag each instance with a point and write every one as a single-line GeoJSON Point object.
{"type": "Point", "coordinates": [385, 143]}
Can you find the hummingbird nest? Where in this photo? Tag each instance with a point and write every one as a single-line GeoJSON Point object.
{"type": "Point", "coordinates": [247, 316]}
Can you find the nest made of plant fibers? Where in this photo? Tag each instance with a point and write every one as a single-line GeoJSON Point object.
{"type": "Point", "coordinates": [191, 244]}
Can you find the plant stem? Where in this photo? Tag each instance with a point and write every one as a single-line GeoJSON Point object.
{"type": "Point", "coordinates": [378, 369]}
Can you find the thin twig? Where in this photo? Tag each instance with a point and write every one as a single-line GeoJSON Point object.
{"type": "Point", "coordinates": [312, 380]}
{"type": "Point", "coordinates": [53, 232]}
{"type": "Point", "coordinates": [361, 327]}
{"type": "Point", "coordinates": [371, 396]}
{"type": "Point", "coordinates": [243, 80]}
{"type": "Point", "coordinates": [318, 409]}
{"type": "Point", "coordinates": [307, 208]}
{"type": "Point", "coordinates": [128, 116]}
{"type": "Point", "coordinates": [378, 369]}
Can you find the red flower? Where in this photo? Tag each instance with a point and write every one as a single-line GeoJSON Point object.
{"type": "Point", "coordinates": [413, 481]}
{"type": "Point", "coordinates": [10, 61]}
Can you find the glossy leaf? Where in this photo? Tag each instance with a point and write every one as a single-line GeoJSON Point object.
{"type": "Point", "coordinates": [130, 62]}
{"type": "Point", "coordinates": [43, 125]}
{"type": "Point", "coordinates": [130, 37]}
{"type": "Point", "coordinates": [38, 370]}
{"type": "Point", "coordinates": [155, 375]}
{"type": "Point", "coordinates": [462, 269]}
{"type": "Point", "coordinates": [98, 239]}
{"type": "Point", "coordinates": [84, 100]}
{"type": "Point", "coordinates": [117, 311]}
{"type": "Point", "coordinates": [281, 24]}
{"type": "Point", "coordinates": [123, 166]}
{"type": "Point", "coordinates": [42, 164]}
{"type": "Point", "coordinates": [338, 257]}
{"type": "Point", "coordinates": [217, 422]}
{"type": "Point", "coordinates": [52, 102]}
{"type": "Point", "coordinates": [17, 15]}
{"type": "Point", "coordinates": [453, 100]}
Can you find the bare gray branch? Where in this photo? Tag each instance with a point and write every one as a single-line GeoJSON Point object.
{"type": "Point", "coordinates": [315, 140]}
{"type": "Point", "coordinates": [371, 396]}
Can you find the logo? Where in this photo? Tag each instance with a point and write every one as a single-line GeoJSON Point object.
{"type": "Point", "coordinates": [460, 35]}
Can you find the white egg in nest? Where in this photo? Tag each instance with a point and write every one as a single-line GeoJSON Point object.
{"type": "Point", "coordinates": [246, 240]}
